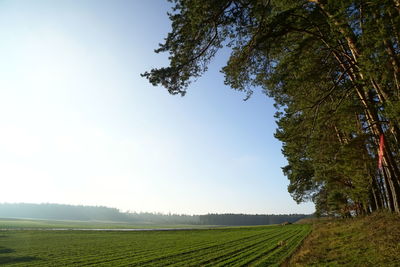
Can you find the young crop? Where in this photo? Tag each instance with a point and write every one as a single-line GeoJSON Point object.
{"type": "Point", "coordinates": [206, 247]}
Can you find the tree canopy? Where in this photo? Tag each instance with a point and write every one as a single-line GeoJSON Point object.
{"type": "Point", "coordinates": [333, 69]}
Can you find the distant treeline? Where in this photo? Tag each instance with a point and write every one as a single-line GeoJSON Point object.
{"type": "Point", "coordinates": [100, 213]}
{"type": "Point", "coordinates": [89, 213]}
{"type": "Point", "coordinates": [60, 212]}
{"type": "Point", "coordinates": [246, 219]}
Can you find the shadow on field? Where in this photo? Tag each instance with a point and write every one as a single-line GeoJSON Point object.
{"type": "Point", "coordinates": [5, 260]}
{"type": "Point", "coordinates": [6, 250]}
{"type": "Point", "coordinates": [12, 259]}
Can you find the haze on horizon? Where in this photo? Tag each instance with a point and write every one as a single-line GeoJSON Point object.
{"type": "Point", "coordinates": [78, 125]}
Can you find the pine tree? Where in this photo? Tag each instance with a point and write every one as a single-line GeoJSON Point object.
{"type": "Point", "coordinates": [333, 69]}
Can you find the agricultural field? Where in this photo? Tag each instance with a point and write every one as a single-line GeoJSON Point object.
{"type": "Point", "coordinates": [34, 224]}
{"type": "Point", "coordinates": [259, 245]}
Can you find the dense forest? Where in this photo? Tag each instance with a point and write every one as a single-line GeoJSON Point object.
{"type": "Point", "coordinates": [104, 214]}
{"type": "Point", "coordinates": [246, 219]}
{"type": "Point", "coordinates": [49, 211]}
{"type": "Point", "coordinates": [59, 212]}
{"type": "Point", "coordinates": [333, 69]}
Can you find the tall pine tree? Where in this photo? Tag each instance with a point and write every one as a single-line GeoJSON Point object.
{"type": "Point", "coordinates": [333, 68]}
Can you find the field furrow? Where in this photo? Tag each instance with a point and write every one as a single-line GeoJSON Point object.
{"type": "Point", "coordinates": [235, 246]}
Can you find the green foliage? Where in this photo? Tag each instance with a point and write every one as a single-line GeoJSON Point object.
{"type": "Point", "coordinates": [245, 219]}
{"type": "Point", "coordinates": [333, 69]}
{"type": "Point", "coordinates": [216, 247]}
{"type": "Point", "coordinates": [90, 213]}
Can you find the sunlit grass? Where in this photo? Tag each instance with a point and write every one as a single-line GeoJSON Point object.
{"type": "Point", "coordinates": [367, 241]}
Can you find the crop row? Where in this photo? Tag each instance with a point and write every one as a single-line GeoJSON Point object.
{"type": "Point", "coordinates": [216, 247]}
{"type": "Point", "coordinates": [167, 254]}
{"type": "Point", "coordinates": [217, 252]}
{"type": "Point", "coordinates": [247, 257]}
{"type": "Point", "coordinates": [153, 255]}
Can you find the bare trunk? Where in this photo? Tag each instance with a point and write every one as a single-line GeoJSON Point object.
{"type": "Point", "coordinates": [391, 172]}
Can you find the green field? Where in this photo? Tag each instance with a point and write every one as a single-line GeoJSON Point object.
{"type": "Point", "coordinates": [27, 224]}
{"type": "Point", "coordinates": [261, 245]}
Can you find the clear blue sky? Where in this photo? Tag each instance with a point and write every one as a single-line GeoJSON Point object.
{"type": "Point", "coordinates": [78, 125]}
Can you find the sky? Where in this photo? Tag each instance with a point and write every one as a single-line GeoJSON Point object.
{"type": "Point", "coordinates": [79, 125]}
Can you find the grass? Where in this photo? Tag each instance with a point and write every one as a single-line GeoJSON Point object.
{"type": "Point", "coordinates": [261, 245]}
{"type": "Point", "coordinates": [6, 223]}
{"type": "Point", "coordinates": [366, 241]}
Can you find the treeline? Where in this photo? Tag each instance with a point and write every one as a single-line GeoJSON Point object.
{"type": "Point", "coordinates": [160, 218]}
{"type": "Point", "coordinates": [333, 69]}
{"type": "Point", "coordinates": [60, 212]}
{"type": "Point", "coordinates": [246, 219]}
{"type": "Point", "coordinates": [99, 213]}
{"type": "Point", "coordinates": [89, 213]}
